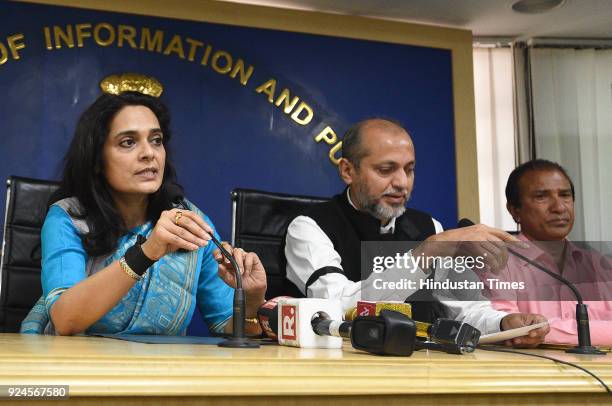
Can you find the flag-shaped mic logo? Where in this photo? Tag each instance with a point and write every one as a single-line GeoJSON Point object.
{"type": "Point", "coordinates": [289, 322]}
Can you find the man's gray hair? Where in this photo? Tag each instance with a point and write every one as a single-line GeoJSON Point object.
{"type": "Point", "coordinates": [352, 147]}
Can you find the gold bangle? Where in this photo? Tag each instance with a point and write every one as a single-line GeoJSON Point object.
{"type": "Point", "coordinates": [126, 268]}
{"type": "Point", "coordinates": [252, 320]}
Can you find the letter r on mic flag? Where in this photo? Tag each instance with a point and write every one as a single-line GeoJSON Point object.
{"type": "Point", "coordinates": [288, 322]}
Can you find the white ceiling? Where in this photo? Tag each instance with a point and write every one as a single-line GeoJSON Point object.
{"type": "Point", "coordinates": [486, 18]}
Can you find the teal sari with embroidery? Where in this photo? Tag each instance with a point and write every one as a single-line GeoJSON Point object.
{"type": "Point", "coordinates": [163, 302]}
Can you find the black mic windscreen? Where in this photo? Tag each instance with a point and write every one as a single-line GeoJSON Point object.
{"type": "Point", "coordinates": [175, 192]}
{"type": "Point", "coordinates": [465, 222]}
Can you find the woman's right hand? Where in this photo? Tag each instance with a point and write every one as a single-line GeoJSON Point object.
{"type": "Point", "coordinates": [176, 229]}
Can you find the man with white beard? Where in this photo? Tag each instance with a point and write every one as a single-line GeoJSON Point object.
{"type": "Point", "coordinates": [323, 246]}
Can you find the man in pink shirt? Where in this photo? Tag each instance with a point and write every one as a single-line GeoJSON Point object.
{"type": "Point", "coordinates": [540, 196]}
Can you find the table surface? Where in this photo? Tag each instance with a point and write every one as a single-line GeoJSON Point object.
{"type": "Point", "coordinates": [95, 366]}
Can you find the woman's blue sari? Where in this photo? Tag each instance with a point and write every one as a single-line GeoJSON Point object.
{"type": "Point", "coordinates": [163, 302]}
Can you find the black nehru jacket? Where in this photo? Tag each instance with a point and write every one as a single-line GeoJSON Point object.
{"type": "Point", "coordinates": [347, 227]}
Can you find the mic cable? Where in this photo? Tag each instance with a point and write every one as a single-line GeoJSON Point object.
{"type": "Point", "coordinates": [497, 349]}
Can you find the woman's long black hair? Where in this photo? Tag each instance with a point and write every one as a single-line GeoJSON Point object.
{"type": "Point", "coordinates": [83, 175]}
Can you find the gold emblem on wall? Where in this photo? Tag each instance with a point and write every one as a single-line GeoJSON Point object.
{"type": "Point", "coordinates": [131, 82]}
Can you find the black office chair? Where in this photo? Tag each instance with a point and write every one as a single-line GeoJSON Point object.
{"type": "Point", "coordinates": [20, 288]}
{"type": "Point", "coordinates": [259, 222]}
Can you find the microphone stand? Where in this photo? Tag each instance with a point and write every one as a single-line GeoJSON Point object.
{"type": "Point", "coordinates": [238, 338]}
{"type": "Point", "coordinates": [582, 311]}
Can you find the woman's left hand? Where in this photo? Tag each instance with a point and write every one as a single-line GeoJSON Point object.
{"type": "Point", "coordinates": [252, 271]}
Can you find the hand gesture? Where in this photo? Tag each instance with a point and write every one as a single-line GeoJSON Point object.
{"type": "Point", "coordinates": [176, 229]}
{"type": "Point", "coordinates": [531, 340]}
{"type": "Point", "coordinates": [477, 240]}
{"type": "Point", "coordinates": [252, 270]}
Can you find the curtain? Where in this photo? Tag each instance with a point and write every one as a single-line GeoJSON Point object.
{"type": "Point", "coordinates": [495, 132]}
{"type": "Point", "coordinates": [523, 111]}
{"type": "Point", "coordinates": [572, 116]}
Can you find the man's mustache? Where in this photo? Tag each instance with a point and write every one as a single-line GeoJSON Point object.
{"type": "Point", "coordinates": [395, 191]}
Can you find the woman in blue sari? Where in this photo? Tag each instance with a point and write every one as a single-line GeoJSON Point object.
{"type": "Point", "coordinates": [117, 256]}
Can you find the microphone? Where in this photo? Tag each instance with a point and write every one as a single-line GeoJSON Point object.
{"type": "Point", "coordinates": [442, 331]}
{"type": "Point", "coordinates": [321, 323]}
{"type": "Point", "coordinates": [327, 327]}
{"type": "Point", "coordinates": [238, 338]}
{"type": "Point", "coordinates": [289, 320]}
{"type": "Point", "coordinates": [392, 332]}
{"type": "Point", "coordinates": [315, 323]}
{"type": "Point", "coordinates": [582, 312]}
{"type": "Point", "coordinates": [389, 333]}
{"type": "Point", "coordinates": [295, 322]}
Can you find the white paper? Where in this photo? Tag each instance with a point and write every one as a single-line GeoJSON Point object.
{"type": "Point", "coordinates": [509, 334]}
